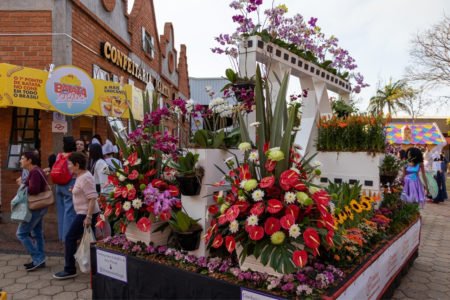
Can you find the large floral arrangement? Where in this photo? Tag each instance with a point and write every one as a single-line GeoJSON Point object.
{"type": "Point", "coordinates": [302, 37]}
{"type": "Point", "coordinates": [141, 190]}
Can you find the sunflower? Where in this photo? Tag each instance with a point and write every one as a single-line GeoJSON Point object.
{"type": "Point", "coordinates": [349, 212]}
{"type": "Point", "coordinates": [356, 206]}
{"type": "Point", "coordinates": [365, 204]}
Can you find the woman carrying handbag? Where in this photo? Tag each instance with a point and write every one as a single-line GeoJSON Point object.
{"type": "Point", "coordinates": [36, 183]}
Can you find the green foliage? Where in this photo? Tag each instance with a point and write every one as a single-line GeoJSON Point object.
{"type": "Point", "coordinates": [233, 77]}
{"type": "Point", "coordinates": [206, 139]}
{"type": "Point", "coordinates": [180, 221]}
{"type": "Point", "coordinates": [186, 163]}
{"type": "Point", "coordinates": [342, 108]}
{"type": "Point", "coordinates": [390, 165]}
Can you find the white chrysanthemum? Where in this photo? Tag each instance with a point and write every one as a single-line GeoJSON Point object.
{"type": "Point", "coordinates": [126, 163]}
{"type": "Point", "coordinates": [252, 220]}
{"type": "Point", "coordinates": [253, 156]}
{"type": "Point", "coordinates": [255, 124]}
{"type": "Point", "coordinates": [290, 197]}
{"type": "Point", "coordinates": [122, 178]}
{"type": "Point", "coordinates": [126, 205]}
{"type": "Point", "coordinates": [137, 203]}
{"type": "Point", "coordinates": [294, 231]}
{"type": "Point", "coordinates": [258, 195]}
{"type": "Point", "coordinates": [317, 163]}
{"type": "Point", "coordinates": [243, 183]}
{"type": "Point", "coordinates": [234, 226]}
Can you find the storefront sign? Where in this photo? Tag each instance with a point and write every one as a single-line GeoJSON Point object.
{"type": "Point", "coordinates": [59, 127]}
{"type": "Point", "coordinates": [112, 265]}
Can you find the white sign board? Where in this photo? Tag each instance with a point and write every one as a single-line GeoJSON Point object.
{"type": "Point", "coordinates": [59, 127]}
{"type": "Point", "coordinates": [112, 265]}
{"type": "Point", "coordinates": [254, 295]}
{"type": "Point", "coordinates": [371, 283]}
{"type": "Point", "coordinates": [58, 117]}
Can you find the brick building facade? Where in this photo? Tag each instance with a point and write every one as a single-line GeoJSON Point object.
{"type": "Point", "coordinates": [72, 32]}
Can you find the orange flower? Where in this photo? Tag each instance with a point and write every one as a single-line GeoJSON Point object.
{"type": "Point", "coordinates": [342, 124]}
{"type": "Point", "coordinates": [336, 257]}
{"type": "Point", "coordinates": [349, 258]}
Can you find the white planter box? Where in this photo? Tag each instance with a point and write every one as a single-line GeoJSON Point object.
{"type": "Point", "coordinates": [197, 206]}
{"type": "Point", "coordinates": [349, 166]}
{"type": "Point", "coordinates": [158, 238]}
{"type": "Point", "coordinates": [254, 264]}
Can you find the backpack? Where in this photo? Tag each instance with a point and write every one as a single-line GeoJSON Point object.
{"type": "Point", "coordinates": [60, 172]}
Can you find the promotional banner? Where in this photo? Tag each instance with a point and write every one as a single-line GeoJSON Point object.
{"type": "Point", "coordinates": [68, 90]}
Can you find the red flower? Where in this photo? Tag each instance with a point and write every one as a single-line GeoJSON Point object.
{"type": "Point", "coordinates": [234, 186]}
{"type": "Point", "coordinates": [232, 213]}
{"type": "Point", "coordinates": [159, 184]}
{"type": "Point", "coordinates": [321, 197]}
{"type": "Point", "coordinates": [274, 206]}
{"type": "Point", "coordinates": [123, 227]}
{"type": "Point", "coordinates": [217, 184]}
{"type": "Point", "coordinates": [126, 169]}
{"type": "Point", "coordinates": [173, 191]}
{"type": "Point", "coordinates": [134, 175]}
{"type": "Point", "coordinates": [230, 243]}
{"type": "Point", "coordinates": [311, 238]}
{"type": "Point", "coordinates": [244, 172]}
{"type": "Point", "coordinates": [108, 210]}
{"type": "Point", "coordinates": [256, 232]}
{"type": "Point", "coordinates": [287, 221]}
{"type": "Point", "coordinates": [144, 224]}
{"type": "Point", "coordinates": [215, 196]}
{"type": "Point", "coordinates": [113, 179]}
{"type": "Point", "coordinates": [299, 186]}
{"type": "Point", "coordinates": [120, 191]}
{"type": "Point", "coordinates": [132, 159]}
{"type": "Point", "coordinates": [327, 221]}
{"type": "Point", "coordinates": [243, 206]}
{"type": "Point", "coordinates": [130, 214]}
{"type": "Point", "coordinates": [150, 173]}
{"type": "Point", "coordinates": [151, 208]}
{"type": "Point", "coordinates": [165, 215]}
{"type": "Point", "coordinates": [257, 209]}
{"type": "Point", "coordinates": [222, 219]}
{"type": "Point", "coordinates": [288, 177]}
{"type": "Point", "coordinates": [232, 173]}
{"type": "Point", "coordinates": [100, 223]}
{"type": "Point", "coordinates": [132, 194]}
{"type": "Point", "coordinates": [213, 209]}
{"type": "Point", "coordinates": [266, 147]}
{"type": "Point", "coordinates": [267, 182]}
{"type": "Point", "coordinates": [118, 208]}
{"type": "Point", "coordinates": [329, 238]}
{"type": "Point", "coordinates": [273, 192]}
{"type": "Point", "coordinates": [272, 225]}
{"type": "Point", "coordinates": [300, 258]}
{"type": "Point", "coordinates": [293, 210]}
{"type": "Point", "coordinates": [270, 165]}
{"type": "Point", "coordinates": [218, 241]}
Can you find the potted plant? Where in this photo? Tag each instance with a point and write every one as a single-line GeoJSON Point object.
{"type": "Point", "coordinates": [189, 177]}
{"type": "Point", "coordinates": [242, 87]}
{"type": "Point", "coordinates": [341, 108]}
{"type": "Point", "coordinates": [389, 169]}
{"type": "Point", "coordinates": [187, 230]}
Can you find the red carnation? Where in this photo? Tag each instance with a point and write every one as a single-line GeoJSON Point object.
{"type": "Point", "coordinates": [218, 241]}
{"type": "Point", "coordinates": [257, 209]}
{"type": "Point", "coordinates": [144, 224]}
{"type": "Point", "coordinates": [230, 243]}
{"type": "Point", "coordinates": [311, 238]}
{"type": "Point", "coordinates": [300, 258]}
{"type": "Point", "coordinates": [287, 221]}
{"type": "Point", "coordinates": [274, 206]}
{"type": "Point", "coordinates": [256, 232]}
{"type": "Point", "coordinates": [267, 182]}
{"type": "Point", "coordinates": [272, 225]}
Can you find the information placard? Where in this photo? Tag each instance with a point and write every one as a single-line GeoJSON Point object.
{"type": "Point", "coordinates": [112, 265]}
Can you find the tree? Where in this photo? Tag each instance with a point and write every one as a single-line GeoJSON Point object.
{"type": "Point", "coordinates": [416, 102]}
{"type": "Point", "coordinates": [430, 53]}
{"type": "Point", "coordinates": [390, 96]}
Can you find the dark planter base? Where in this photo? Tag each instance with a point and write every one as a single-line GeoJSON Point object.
{"type": "Point", "coordinates": [189, 241]}
{"type": "Point", "coordinates": [189, 185]}
{"type": "Point", "coordinates": [387, 179]}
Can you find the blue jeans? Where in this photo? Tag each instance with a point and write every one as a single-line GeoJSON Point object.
{"type": "Point", "coordinates": [73, 235]}
{"type": "Point", "coordinates": [34, 227]}
{"type": "Point", "coordinates": [66, 212]}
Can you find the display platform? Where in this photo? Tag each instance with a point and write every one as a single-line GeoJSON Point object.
{"type": "Point", "coordinates": [119, 276]}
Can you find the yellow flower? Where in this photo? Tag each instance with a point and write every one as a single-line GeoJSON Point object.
{"type": "Point", "coordinates": [349, 212]}
{"type": "Point", "coordinates": [244, 146]}
{"type": "Point", "coordinates": [283, 7]}
{"type": "Point", "coordinates": [277, 238]}
{"type": "Point", "coordinates": [304, 199]}
{"type": "Point", "coordinates": [276, 155]}
{"type": "Point", "coordinates": [355, 206]}
{"type": "Point", "coordinates": [250, 185]}
{"type": "Point", "coordinates": [365, 204]}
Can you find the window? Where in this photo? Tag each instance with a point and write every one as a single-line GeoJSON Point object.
{"type": "Point", "coordinates": [99, 73]}
{"type": "Point", "coordinates": [24, 135]}
{"type": "Point", "coordinates": [148, 43]}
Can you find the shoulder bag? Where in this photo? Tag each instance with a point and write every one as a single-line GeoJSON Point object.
{"type": "Point", "coordinates": [43, 199]}
{"type": "Point", "coordinates": [19, 207]}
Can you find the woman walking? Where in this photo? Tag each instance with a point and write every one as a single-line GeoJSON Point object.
{"type": "Point", "coordinates": [98, 167]}
{"type": "Point", "coordinates": [35, 183]}
{"type": "Point", "coordinates": [86, 207]}
{"type": "Point", "coordinates": [413, 191]}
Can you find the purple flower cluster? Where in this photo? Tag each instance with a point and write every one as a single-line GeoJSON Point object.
{"type": "Point", "coordinates": [162, 201]}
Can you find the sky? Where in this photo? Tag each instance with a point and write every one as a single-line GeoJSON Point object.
{"type": "Point", "coordinates": [377, 33]}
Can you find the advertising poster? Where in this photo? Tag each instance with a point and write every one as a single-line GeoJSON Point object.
{"type": "Point", "coordinates": [137, 104]}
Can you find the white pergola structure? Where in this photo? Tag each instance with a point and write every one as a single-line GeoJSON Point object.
{"type": "Point", "coordinates": [315, 79]}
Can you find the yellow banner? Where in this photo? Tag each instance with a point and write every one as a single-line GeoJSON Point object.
{"type": "Point", "coordinates": [68, 90]}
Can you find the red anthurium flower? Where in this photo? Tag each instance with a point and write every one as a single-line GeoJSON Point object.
{"type": "Point", "coordinates": [266, 147]}
{"type": "Point", "coordinates": [311, 238]}
{"type": "Point", "coordinates": [130, 214]}
{"type": "Point", "coordinates": [288, 177]}
{"type": "Point", "coordinates": [150, 173]}
{"type": "Point", "coordinates": [287, 221]}
{"type": "Point", "coordinates": [257, 209]}
{"type": "Point", "coordinates": [256, 232]}
{"type": "Point", "coordinates": [173, 191]}
{"type": "Point", "coordinates": [214, 225]}
{"type": "Point", "coordinates": [244, 172]}
{"type": "Point", "coordinates": [165, 215]}
{"type": "Point", "coordinates": [158, 183]}
{"type": "Point", "coordinates": [329, 238]}
{"type": "Point", "coordinates": [232, 173]}
{"type": "Point", "coordinates": [218, 241]}
{"type": "Point", "coordinates": [123, 227]}
{"type": "Point", "coordinates": [300, 258]}
{"type": "Point", "coordinates": [243, 206]}
{"type": "Point", "coordinates": [274, 192]}
{"type": "Point", "coordinates": [271, 225]}
{"type": "Point", "coordinates": [328, 221]}
{"type": "Point", "coordinates": [133, 175]}
{"type": "Point", "coordinates": [293, 210]}
{"type": "Point", "coordinates": [299, 186]}
{"type": "Point", "coordinates": [151, 208]}
{"type": "Point", "coordinates": [178, 205]}
{"type": "Point", "coordinates": [126, 169]}
{"type": "Point", "coordinates": [132, 194]}
{"type": "Point", "coordinates": [285, 187]}
{"type": "Point", "coordinates": [118, 209]}
{"type": "Point", "coordinates": [232, 213]}
{"type": "Point", "coordinates": [267, 182]}
{"type": "Point", "coordinates": [132, 159]}
{"type": "Point", "coordinates": [220, 183]}
{"type": "Point", "coordinates": [270, 165]}
{"type": "Point", "coordinates": [222, 219]}
{"type": "Point", "coordinates": [321, 197]}
{"type": "Point", "coordinates": [234, 186]}
{"type": "Point", "coordinates": [144, 224]}
{"type": "Point", "coordinates": [100, 223]}
{"type": "Point", "coordinates": [231, 198]}
{"type": "Point", "coordinates": [113, 179]}
{"type": "Point", "coordinates": [230, 243]}
{"type": "Point", "coordinates": [108, 210]}
{"type": "Point", "coordinates": [118, 192]}
{"type": "Point", "coordinates": [213, 209]}
{"type": "Point", "coordinates": [274, 206]}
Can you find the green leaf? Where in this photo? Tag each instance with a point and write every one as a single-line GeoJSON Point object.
{"type": "Point", "coordinates": [218, 139]}
{"type": "Point", "coordinates": [231, 75]}
{"type": "Point", "coordinates": [258, 248]}
{"type": "Point", "coordinates": [260, 117]}
{"type": "Point", "coordinates": [265, 256]}
{"type": "Point", "coordinates": [280, 106]}
{"type": "Point", "coordinates": [243, 129]}
{"type": "Point", "coordinates": [201, 138]}
{"type": "Point", "coordinates": [286, 142]}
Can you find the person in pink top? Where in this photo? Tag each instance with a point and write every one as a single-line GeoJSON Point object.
{"type": "Point", "coordinates": [86, 208]}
